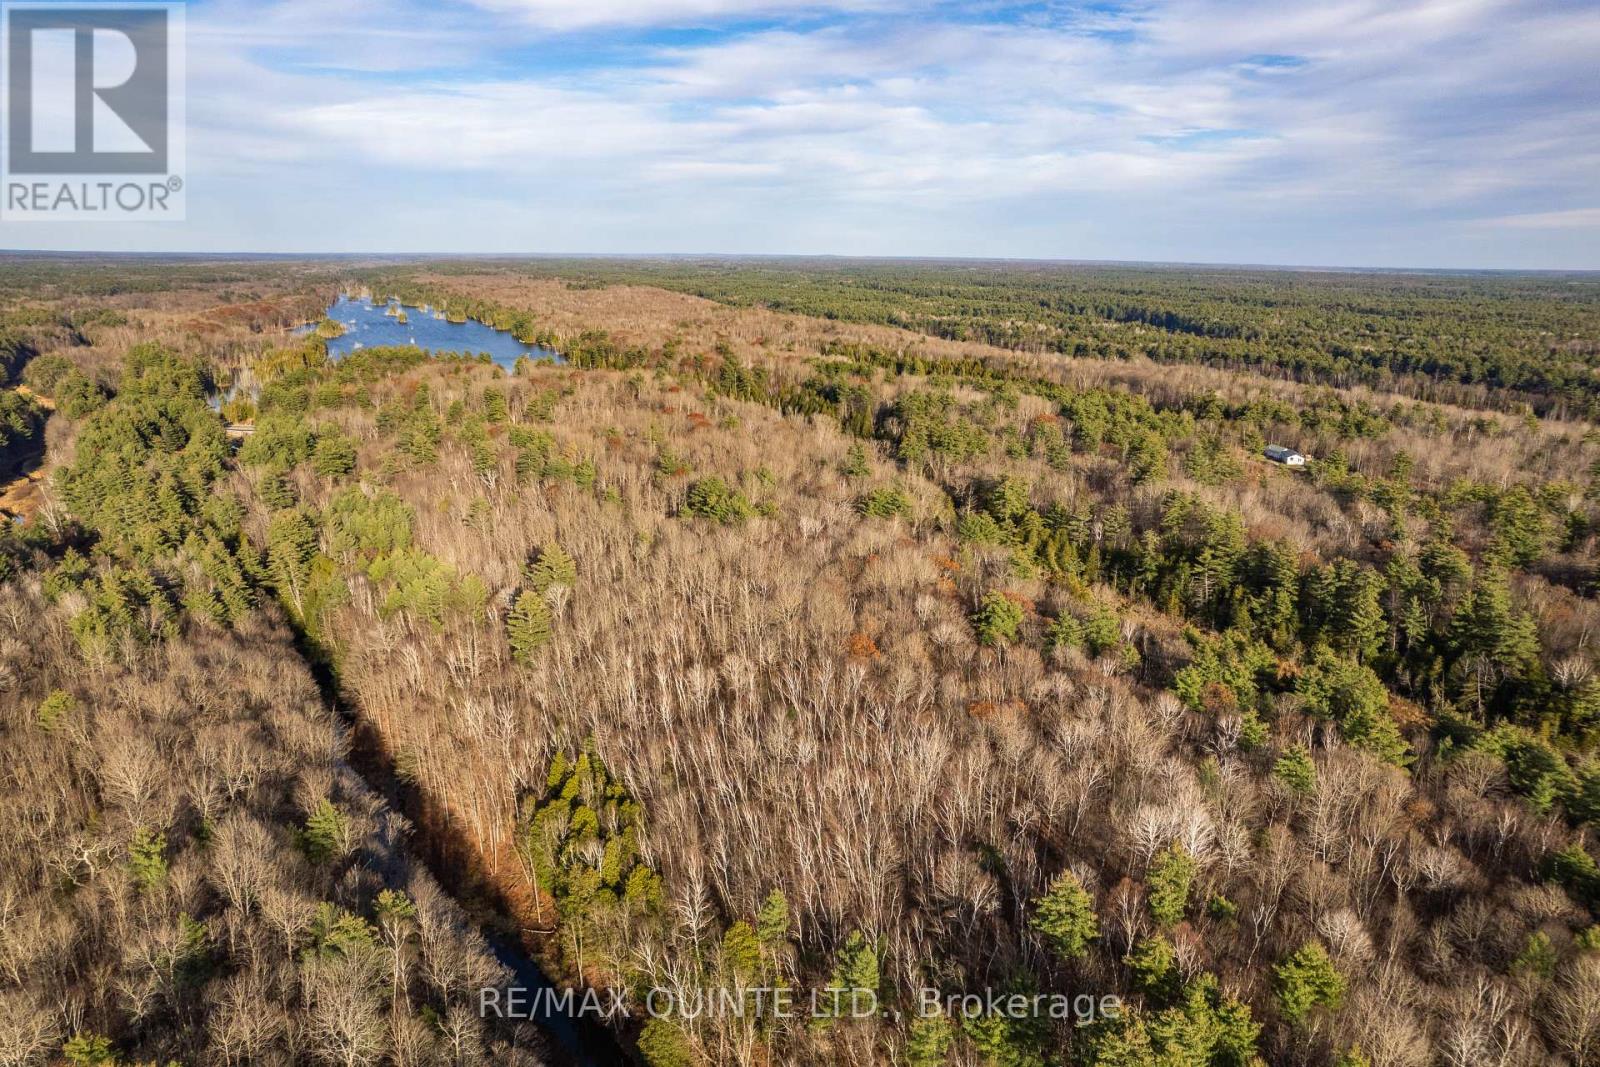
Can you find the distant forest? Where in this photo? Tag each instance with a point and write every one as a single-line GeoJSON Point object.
{"type": "Point", "coordinates": [1503, 340]}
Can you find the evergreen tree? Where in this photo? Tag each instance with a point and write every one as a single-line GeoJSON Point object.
{"type": "Point", "coordinates": [856, 966]}
{"type": "Point", "coordinates": [147, 858]}
{"type": "Point", "coordinates": [494, 405]}
{"type": "Point", "coordinates": [663, 1044]}
{"type": "Point", "coordinates": [1148, 460]}
{"type": "Point", "coordinates": [1296, 770]}
{"type": "Point", "coordinates": [1006, 500]}
{"type": "Point", "coordinates": [528, 626]}
{"type": "Point", "coordinates": [291, 546]}
{"type": "Point", "coordinates": [741, 953]}
{"type": "Point", "coordinates": [1275, 578]}
{"type": "Point", "coordinates": [928, 1041]}
{"type": "Point", "coordinates": [1065, 917]}
{"type": "Point", "coordinates": [1493, 642]}
{"type": "Point", "coordinates": [53, 709]}
{"type": "Point", "coordinates": [1446, 569]}
{"type": "Point", "coordinates": [1347, 609]}
{"type": "Point", "coordinates": [885, 502]}
{"type": "Point", "coordinates": [335, 932]}
{"type": "Point", "coordinates": [1006, 1040]}
{"type": "Point", "coordinates": [855, 462]}
{"type": "Point", "coordinates": [1065, 631]}
{"type": "Point", "coordinates": [1215, 564]}
{"type": "Point", "coordinates": [1170, 880]}
{"type": "Point", "coordinates": [713, 498]}
{"type": "Point", "coordinates": [325, 833]}
{"type": "Point", "coordinates": [89, 1050]}
{"type": "Point", "coordinates": [997, 619]}
{"type": "Point", "coordinates": [1538, 957]}
{"type": "Point", "coordinates": [772, 921]}
{"type": "Point", "coordinates": [553, 567]}
{"type": "Point", "coordinates": [1153, 965]}
{"type": "Point", "coordinates": [334, 455]}
{"type": "Point", "coordinates": [1306, 980]}
{"type": "Point", "coordinates": [1522, 531]}
{"type": "Point", "coordinates": [1354, 697]}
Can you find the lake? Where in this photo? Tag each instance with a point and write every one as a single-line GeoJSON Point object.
{"type": "Point", "coordinates": [368, 324]}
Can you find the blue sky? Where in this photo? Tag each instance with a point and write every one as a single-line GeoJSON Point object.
{"type": "Point", "coordinates": [1452, 133]}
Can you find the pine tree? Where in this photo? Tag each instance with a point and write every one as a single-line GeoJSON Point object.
{"type": "Point", "coordinates": [663, 1044]}
{"type": "Point", "coordinates": [1216, 566]}
{"type": "Point", "coordinates": [772, 921]}
{"type": "Point", "coordinates": [54, 708]}
{"type": "Point", "coordinates": [325, 833]}
{"type": "Point", "coordinates": [291, 546]}
{"type": "Point", "coordinates": [1065, 917]}
{"type": "Point", "coordinates": [997, 619]}
{"type": "Point", "coordinates": [553, 567]}
{"type": "Point", "coordinates": [334, 932]}
{"type": "Point", "coordinates": [1011, 1040]}
{"type": "Point", "coordinates": [494, 405]}
{"type": "Point", "coordinates": [1522, 531]}
{"type": "Point", "coordinates": [89, 1050]}
{"type": "Point", "coordinates": [147, 858]}
{"type": "Point", "coordinates": [928, 1041]}
{"type": "Point", "coordinates": [1064, 632]}
{"type": "Point", "coordinates": [1275, 574]}
{"type": "Point", "coordinates": [713, 498]}
{"type": "Point", "coordinates": [1007, 500]}
{"type": "Point", "coordinates": [1354, 697]}
{"type": "Point", "coordinates": [1493, 644]}
{"type": "Point", "coordinates": [1102, 631]}
{"type": "Point", "coordinates": [1148, 461]}
{"type": "Point", "coordinates": [1153, 964]}
{"type": "Point", "coordinates": [394, 909]}
{"type": "Point", "coordinates": [1296, 770]}
{"type": "Point", "coordinates": [856, 967]}
{"type": "Point", "coordinates": [1171, 878]}
{"type": "Point", "coordinates": [334, 455]}
{"type": "Point", "coordinates": [855, 462]}
{"type": "Point", "coordinates": [1307, 980]}
{"type": "Point", "coordinates": [528, 626]}
{"type": "Point", "coordinates": [1537, 958]}
{"type": "Point", "coordinates": [1346, 603]}
{"type": "Point", "coordinates": [741, 952]}
{"type": "Point", "coordinates": [1447, 570]}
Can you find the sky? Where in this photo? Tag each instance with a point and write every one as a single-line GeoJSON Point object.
{"type": "Point", "coordinates": [1450, 133]}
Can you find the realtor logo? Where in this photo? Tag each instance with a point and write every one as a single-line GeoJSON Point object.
{"type": "Point", "coordinates": [93, 111]}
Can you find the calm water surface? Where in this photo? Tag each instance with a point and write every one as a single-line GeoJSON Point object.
{"type": "Point", "coordinates": [368, 324]}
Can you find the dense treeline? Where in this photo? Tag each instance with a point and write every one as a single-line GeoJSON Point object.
{"type": "Point", "coordinates": [1482, 339]}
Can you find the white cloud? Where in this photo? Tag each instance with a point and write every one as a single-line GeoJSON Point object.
{"type": "Point", "coordinates": [1582, 218]}
{"type": "Point", "coordinates": [588, 14]}
{"type": "Point", "coordinates": [908, 130]}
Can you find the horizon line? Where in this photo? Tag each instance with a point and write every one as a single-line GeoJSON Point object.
{"type": "Point", "coordinates": [43, 253]}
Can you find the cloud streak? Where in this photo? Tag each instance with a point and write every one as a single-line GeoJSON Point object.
{"type": "Point", "coordinates": [586, 14]}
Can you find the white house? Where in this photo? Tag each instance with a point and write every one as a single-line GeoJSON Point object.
{"type": "Point", "coordinates": [1287, 456]}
